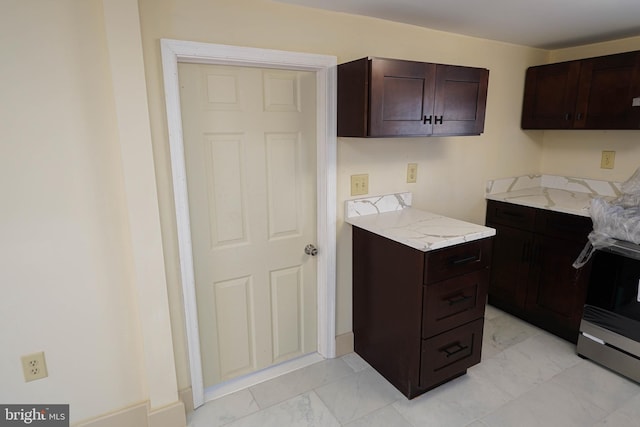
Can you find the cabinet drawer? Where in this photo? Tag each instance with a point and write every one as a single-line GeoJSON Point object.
{"type": "Point", "coordinates": [563, 226]}
{"type": "Point", "coordinates": [454, 302]}
{"type": "Point", "coordinates": [517, 216]}
{"type": "Point", "coordinates": [451, 353]}
{"type": "Point", "coordinates": [457, 260]}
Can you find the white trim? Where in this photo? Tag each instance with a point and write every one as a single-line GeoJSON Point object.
{"type": "Point", "coordinates": [141, 414]}
{"type": "Point", "coordinates": [174, 51]}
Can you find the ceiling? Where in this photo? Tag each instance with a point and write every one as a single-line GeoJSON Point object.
{"type": "Point", "coordinates": [546, 24]}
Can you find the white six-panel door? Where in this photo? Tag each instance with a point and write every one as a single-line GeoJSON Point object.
{"type": "Point", "coordinates": [249, 138]}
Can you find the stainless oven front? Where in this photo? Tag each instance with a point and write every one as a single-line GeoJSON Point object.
{"type": "Point", "coordinates": [610, 327]}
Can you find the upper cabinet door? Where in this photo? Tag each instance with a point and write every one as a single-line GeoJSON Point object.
{"type": "Point", "coordinates": [391, 98]}
{"type": "Point", "coordinates": [594, 93]}
{"type": "Point", "coordinates": [606, 90]}
{"type": "Point", "coordinates": [550, 96]}
{"type": "Point", "coordinates": [402, 96]}
{"type": "Point", "coordinates": [461, 98]}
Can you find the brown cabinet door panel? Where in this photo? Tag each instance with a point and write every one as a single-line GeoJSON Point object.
{"type": "Point", "coordinates": [606, 91]}
{"type": "Point", "coordinates": [461, 96]}
{"type": "Point", "coordinates": [557, 291]}
{"type": "Point", "coordinates": [550, 96]}
{"type": "Point", "coordinates": [401, 97]}
{"type": "Point", "coordinates": [512, 250]}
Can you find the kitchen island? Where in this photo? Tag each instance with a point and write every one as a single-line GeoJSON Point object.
{"type": "Point", "coordinates": [419, 291]}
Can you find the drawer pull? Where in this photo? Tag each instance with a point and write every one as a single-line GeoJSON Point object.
{"type": "Point", "coordinates": [513, 214]}
{"type": "Point", "coordinates": [458, 299]}
{"type": "Point", "coordinates": [525, 252]}
{"type": "Point", "coordinates": [454, 349]}
{"type": "Point", "coordinates": [563, 226]}
{"type": "Point", "coordinates": [465, 260]}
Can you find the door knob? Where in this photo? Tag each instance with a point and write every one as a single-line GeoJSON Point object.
{"type": "Point", "coordinates": [311, 250]}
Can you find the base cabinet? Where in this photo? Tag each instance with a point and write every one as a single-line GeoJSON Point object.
{"type": "Point", "coordinates": [532, 275]}
{"type": "Point", "coordinates": [418, 316]}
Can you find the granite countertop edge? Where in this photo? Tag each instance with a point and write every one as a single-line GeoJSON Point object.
{"type": "Point", "coordinates": [415, 228]}
{"type": "Point", "coordinates": [564, 194]}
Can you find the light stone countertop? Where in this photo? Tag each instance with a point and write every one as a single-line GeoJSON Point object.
{"type": "Point", "coordinates": [392, 216]}
{"type": "Point", "coordinates": [552, 192]}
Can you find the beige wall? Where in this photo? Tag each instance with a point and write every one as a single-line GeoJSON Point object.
{"type": "Point", "coordinates": [578, 153]}
{"type": "Point", "coordinates": [81, 261]}
{"type": "Point", "coordinates": [65, 256]}
{"type": "Point", "coordinates": [451, 172]}
{"type": "Point", "coordinates": [77, 252]}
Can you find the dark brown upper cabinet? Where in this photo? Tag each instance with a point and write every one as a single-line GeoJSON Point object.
{"type": "Point", "coordinates": [594, 93]}
{"type": "Point", "coordinates": [391, 98]}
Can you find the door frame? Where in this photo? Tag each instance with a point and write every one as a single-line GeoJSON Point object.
{"type": "Point", "coordinates": [175, 51]}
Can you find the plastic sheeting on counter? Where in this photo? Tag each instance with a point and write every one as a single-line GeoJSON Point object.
{"type": "Point", "coordinates": [618, 219]}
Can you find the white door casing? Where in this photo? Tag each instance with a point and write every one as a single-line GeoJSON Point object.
{"type": "Point", "coordinates": [174, 51]}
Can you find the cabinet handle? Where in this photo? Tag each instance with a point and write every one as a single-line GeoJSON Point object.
{"type": "Point", "coordinates": [438, 119]}
{"type": "Point", "coordinates": [525, 252]}
{"type": "Point", "coordinates": [579, 116]}
{"type": "Point", "coordinates": [465, 260]}
{"type": "Point", "coordinates": [426, 120]}
{"type": "Point", "coordinates": [454, 349]}
{"type": "Point", "coordinates": [512, 214]}
{"type": "Point", "coordinates": [458, 299]}
{"type": "Point", "coordinates": [567, 116]}
{"type": "Point", "coordinates": [566, 227]}
{"type": "Point", "coordinates": [535, 255]}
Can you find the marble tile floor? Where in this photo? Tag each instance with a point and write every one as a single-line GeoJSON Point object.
{"type": "Point", "coordinates": [527, 377]}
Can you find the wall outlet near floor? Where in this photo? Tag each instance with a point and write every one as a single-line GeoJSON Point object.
{"type": "Point", "coordinates": [412, 172]}
{"type": "Point", "coordinates": [359, 184]}
{"type": "Point", "coordinates": [608, 159]}
{"type": "Point", "coordinates": [34, 366]}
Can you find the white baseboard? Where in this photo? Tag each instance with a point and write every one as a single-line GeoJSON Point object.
{"type": "Point", "coordinates": [139, 416]}
{"type": "Point", "coordinates": [173, 415]}
{"type": "Point", "coordinates": [186, 397]}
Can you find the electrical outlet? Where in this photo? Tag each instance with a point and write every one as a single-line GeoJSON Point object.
{"type": "Point", "coordinates": [608, 159]}
{"type": "Point", "coordinates": [359, 184]}
{"type": "Point", "coordinates": [34, 366]}
{"type": "Point", "coordinates": [412, 172]}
